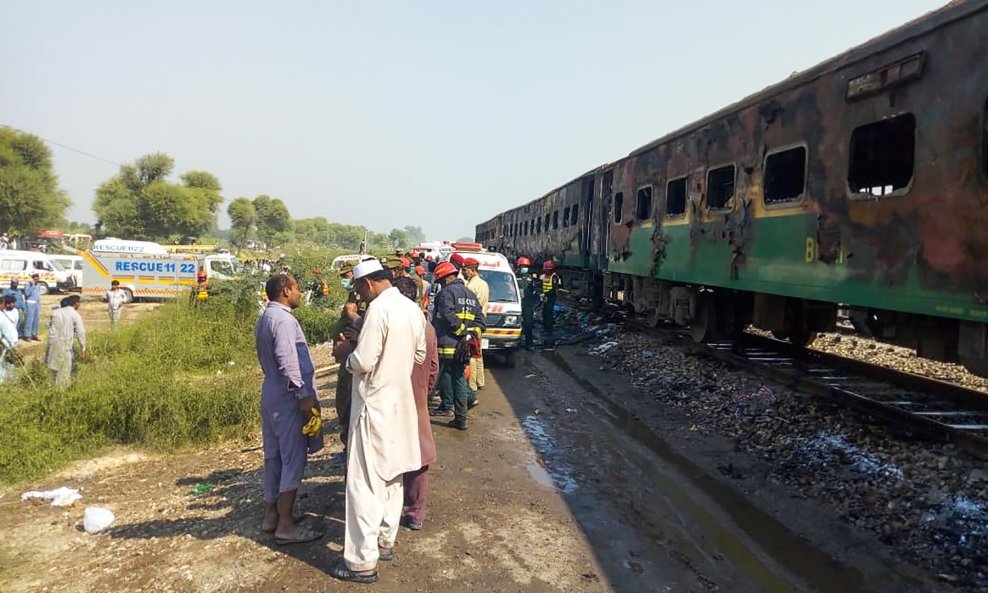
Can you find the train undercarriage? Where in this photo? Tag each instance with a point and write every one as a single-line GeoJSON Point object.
{"type": "Point", "coordinates": [716, 314]}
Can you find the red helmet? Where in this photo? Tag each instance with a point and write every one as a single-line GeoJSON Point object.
{"type": "Point", "coordinates": [413, 254]}
{"type": "Point", "coordinates": [549, 265]}
{"type": "Point", "coordinates": [428, 257]}
{"type": "Point", "coordinates": [456, 260]}
{"type": "Point", "coordinates": [444, 269]}
{"type": "Point", "coordinates": [471, 263]}
{"type": "Point", "coordinates": [524, 261]}
{"type": "Point", "coordinates": [405, 262]}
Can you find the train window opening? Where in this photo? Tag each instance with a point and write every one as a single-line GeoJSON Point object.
{"type": "Point", "coordinates": [720, 187]}
{"type": "Point", "coordinates": [643, 207]}
{"type": "Point", "coordinates": [676, 197]}
{"type": "Point", "coordinates": [574, 214]}
{"type": "Point", "coordinates": [555, 219]}
{"type": "Point", "coordinates": [618, 206]}
{"type": "Point", "coordinates": [546, 225]}
{"type": "Point", "coordinates": [785, 175]}
{"type": "Point", "coordinates": [538, 227]}
{"type": "Point", "coordinates": [882, 155]}
{"type": "Point", "coordinates": [566, 217]}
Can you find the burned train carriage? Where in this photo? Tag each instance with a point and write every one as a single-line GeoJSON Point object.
{"type": "Point", "coordinates": [860, 184]}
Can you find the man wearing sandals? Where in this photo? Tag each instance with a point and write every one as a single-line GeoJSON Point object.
{"type": "Point", "coordinates": [288, 399]}
{"type": "Point", "coordinates": [384, 432]}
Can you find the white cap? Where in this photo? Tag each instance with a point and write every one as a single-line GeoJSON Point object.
{"type": "Point", "coordinates": [366, 267]}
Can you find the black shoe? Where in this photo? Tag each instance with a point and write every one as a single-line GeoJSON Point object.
{"type": "Point", "coordinates": [458, 423]}
{"type": "Point", "coordinates": [440, 411]}
{"type": "Point", "coordinates": [341, 572]}
{"type": "Point", "coordinates": [473, 403]}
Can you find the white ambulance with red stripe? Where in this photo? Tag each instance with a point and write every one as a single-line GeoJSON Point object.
{"type": "Point", "coordinates": [503, 314]}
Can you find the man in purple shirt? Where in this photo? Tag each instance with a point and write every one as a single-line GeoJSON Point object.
{"type": "Point", "coordinates": [288, 397]}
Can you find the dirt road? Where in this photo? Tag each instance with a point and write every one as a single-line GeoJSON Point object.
{"type": "Point", "coordinates": [550, 490]}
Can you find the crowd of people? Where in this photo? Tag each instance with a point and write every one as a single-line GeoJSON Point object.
{"type": "Point", "coordinates": [398, 339]}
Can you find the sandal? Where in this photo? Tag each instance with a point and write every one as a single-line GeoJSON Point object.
{"type": "Point", "coordinates": [385, 553]}
{"type": "Point", "coordinates": [302, 535]}
{"type": "Point", "coordinates": [342, 573]}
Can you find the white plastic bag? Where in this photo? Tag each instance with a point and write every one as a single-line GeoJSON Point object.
{"type": "Point", "coordinates": [96, 519]}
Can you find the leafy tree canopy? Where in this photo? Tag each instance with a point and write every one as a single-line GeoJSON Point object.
{"type": "Point", "coordinates": [29, 194]}
{"type": "Point", "coordinates": [140, 202]}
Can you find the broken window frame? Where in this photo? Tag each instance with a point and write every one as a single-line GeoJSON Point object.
{"type": "Point", "coordinates": [801, 198]}
{"type": "Point", "coordinates": [685, 179]}
{"type": "Point", "coordinates": [894, 193]}
{"type": "Point", "coordinates": [648, 194]}
{"type": "Point", "coordinates": [575, 215]}
{"type": "Point", "coordinates": [555, 219]}
{"type": "Point", "coordinates": [618, 207]}
{"type": "Point", "coordinates": [566, 217]}
{"type": "Point", "coordinates": [729, 202]}
{"type": "Point", "coordinates": [984, 139]}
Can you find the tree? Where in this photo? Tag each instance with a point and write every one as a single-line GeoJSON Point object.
{"type": "Point", "coordinates": [273, 219]}
{"type": "Point", "coordinates": [243, 217]}
{"type": "Point", "coordinates": [398, 238]}
{"type": "Point", "coordinates": [415, 235]}
{"type": "Point", "coordinates": [29, 194]}
{"type": "Point", "coordinates": [140, 202]}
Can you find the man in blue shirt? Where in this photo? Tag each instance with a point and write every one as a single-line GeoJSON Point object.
{"type": "Point", "coordinates": [21, 306]}
{"type": "Point", "coordinates": [32, 307]}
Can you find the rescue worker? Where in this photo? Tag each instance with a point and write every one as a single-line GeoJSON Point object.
{"type": "Point", "coordinates": [531, 288]}
{"type": "Point", "coordinates": [459, 323]}
{"type": "Point", "coordinates": [478, 286]}
{"type": "Point", "coordinates": [550, 284]}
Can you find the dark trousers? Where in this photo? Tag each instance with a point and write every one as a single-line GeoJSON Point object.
{"type": "Point", "coordinates": [453, 388]}
{"type": "Point", "coordinates": [528, 324]}
{"type": "Point", "coordinates": [549, 312]}
{"type": "Point", "coordinates": [344, 386]}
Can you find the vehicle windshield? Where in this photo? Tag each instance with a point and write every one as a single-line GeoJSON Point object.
{"type": "Point", "coordinates": [225, 267]}
{"type": "Point", "coordinates": [502, 285]}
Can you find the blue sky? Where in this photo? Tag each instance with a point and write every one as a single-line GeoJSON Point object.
{"type": "Point", "coordinates": [437, 114]}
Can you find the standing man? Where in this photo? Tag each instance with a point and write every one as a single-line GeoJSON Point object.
{"type": "Point", "coordinates": [21, 306]}
{"type": "Point", "coordinates": [424, 375]}
{"type": "Point", "coordinates": [458, 321]}
{"type": "Point", "coordinates": [288, 401]}
{"type": "Point", "coordinates": [64, 329]}
{"type": "Point", "coordinates": [32, 308]}
{"type": "Point", "coordinates": [550, 284]}
{"type": "Point", "coordinates": [530, 290]}
{"type": "Point", "coordinates": [478, 286]}
{"type": "Point", "coordinates": [114, 302]}
{"type": "Point", "coordinates": [384, 437]}
{"type": "Point", "coordinates": [8, 340]}
{"type": "Point", "coordinates": [344, 341]}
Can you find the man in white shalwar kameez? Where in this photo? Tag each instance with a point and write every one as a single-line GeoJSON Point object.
{"type": "Point", "coordinates": [384, 438]}
{"type": "Point", "coordinates": [64, 328]}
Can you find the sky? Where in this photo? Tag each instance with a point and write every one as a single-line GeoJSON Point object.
{"type": "Point", "coordinates": [431, 113]}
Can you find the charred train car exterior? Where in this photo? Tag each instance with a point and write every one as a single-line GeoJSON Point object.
{"type": "Point", "coordinates": [861, 183]}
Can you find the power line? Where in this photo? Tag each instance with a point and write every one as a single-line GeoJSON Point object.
{"type": "Point", "coordinates": [66, 146]}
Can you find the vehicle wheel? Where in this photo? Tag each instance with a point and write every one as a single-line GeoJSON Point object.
{"type": "Point", "coordinates": [510, 358]}
{"type": "Point", "coordinates": [704, 327]}
{"type": "Point", "coordinates": [128, 295]}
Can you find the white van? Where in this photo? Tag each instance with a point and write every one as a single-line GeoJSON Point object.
{"type": "Point", "coordinates": [503, 315]}
{"type": "Point", "coordinates": [21, 264]}
{"type": "Point", "coordinates": [72, 264]}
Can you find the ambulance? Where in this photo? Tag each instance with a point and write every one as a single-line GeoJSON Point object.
{"type": "Point", "coordinates": [503, 315]}
{"type": "Point", "coordinates": [147, 271]}
{"type": "Point", "coordinates": [22, 264]}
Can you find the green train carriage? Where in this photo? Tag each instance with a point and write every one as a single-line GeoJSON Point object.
{"type": "Point", "coordinates": [860, 183]}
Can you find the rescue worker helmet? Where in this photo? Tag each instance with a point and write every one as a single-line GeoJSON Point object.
{"type": "Point", "coordinates": [549, 265]}
{"type": "Point", "coordinates": [444, 269]}
{"type": "Point", "coordinates": [457, 260]}
{"type": "Point", "coordinates": [471, 263]}
{"type": "Point", "coordinates": [524, 261]}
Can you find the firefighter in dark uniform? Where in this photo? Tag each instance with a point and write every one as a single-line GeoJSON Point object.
{"type": "Point", "coordinates": [459, 324]}
{"type": "Point", "coordinates": [344, 341]}
{"type": "Point", "coordinates": [531, 288]}
{"type": "Point", "coordinates": [550, 284]}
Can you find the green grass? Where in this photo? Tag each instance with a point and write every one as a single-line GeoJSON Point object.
{"type": "Point", "coordinates": [179, 376]}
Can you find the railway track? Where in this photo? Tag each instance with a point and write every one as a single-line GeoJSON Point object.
{"type": "Point", "coordinates": [926, 407]}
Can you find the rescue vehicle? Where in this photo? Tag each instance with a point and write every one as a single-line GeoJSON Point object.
{"type": "Point", "coordinates": [503, 315]}
{"type": "Point", "coordinates": [21, 264]}
{"type": "Point", "coordinates": [145, 272]}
